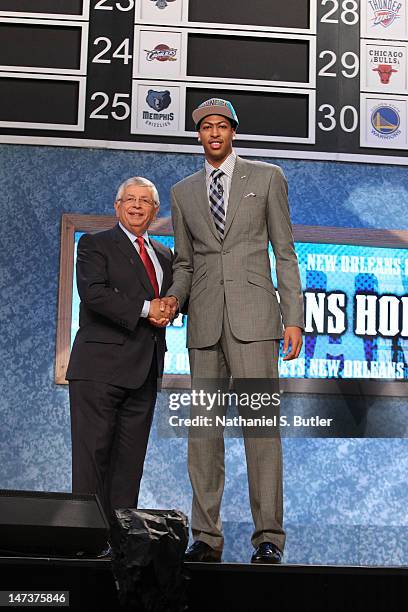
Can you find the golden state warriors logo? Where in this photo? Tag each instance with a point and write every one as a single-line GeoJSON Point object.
{"type": "Point", "coordinates": [385, 12]}
{"type": "Point", "coordinates": [385, 121]}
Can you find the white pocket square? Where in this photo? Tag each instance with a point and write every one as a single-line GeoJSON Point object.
{"type": "Point", "coordinates": [250, 195]}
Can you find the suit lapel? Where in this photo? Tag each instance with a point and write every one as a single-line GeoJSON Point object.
{"type": "Point", "coordinates": [238, 183]}
{"type": "Point", "coordinates": [203, 205]}
{"type": "Point", "coordinates": [239, 180]}
{"type": "Point", "coordinates": [132, 256]}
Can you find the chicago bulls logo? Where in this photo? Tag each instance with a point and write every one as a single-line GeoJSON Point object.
{"type": "Point", "coordinates": [385, 71]}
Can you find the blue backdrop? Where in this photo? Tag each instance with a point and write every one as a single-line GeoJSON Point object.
{"type": "Point", "coordinates": [345, 499]}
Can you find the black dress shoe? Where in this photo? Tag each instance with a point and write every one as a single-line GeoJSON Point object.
{"type": "Point", "coordinates": [106, 553]}
{"type": "Point", "coordinates": [200, 552]}
{"type": "Point", "coordinates": [267, 553]}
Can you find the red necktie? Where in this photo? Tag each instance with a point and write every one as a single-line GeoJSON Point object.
{"type": "Point", "coordinates": [148, 264]}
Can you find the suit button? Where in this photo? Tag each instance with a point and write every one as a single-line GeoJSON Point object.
{"type": "Point", "coordinates": [221, 282]}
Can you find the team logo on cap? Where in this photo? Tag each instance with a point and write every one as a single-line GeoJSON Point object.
{"type": "Point", "coordinates": [161, 53]}
{"type": "Point", "coordinates": [161, 4]}
{"type": "Point", "coordinates": [385, 11]}
{"type": "Point", "coordinates": [214, 102]}
{"type": "Point", "coordinates": [385, 121]}
{"type": "Point", "coordinates": [216, 105]}
{"type": "Point", "coordinates": [158, 101]}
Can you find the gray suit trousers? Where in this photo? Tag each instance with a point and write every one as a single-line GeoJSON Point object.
{"type": "Point", "coordinates": [232, 357]}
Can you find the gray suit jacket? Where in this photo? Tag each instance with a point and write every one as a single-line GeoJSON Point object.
{"type": "Point", "coordinates": [208, 271]}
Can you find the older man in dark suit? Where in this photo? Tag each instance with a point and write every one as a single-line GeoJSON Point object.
{"type": "Point", "coordinates": [118, 352]}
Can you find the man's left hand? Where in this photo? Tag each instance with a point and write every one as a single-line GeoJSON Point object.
{"type": "Point", "coordinates": [168, 308]}
{"type": "Point", "coordinates": [292, 338]}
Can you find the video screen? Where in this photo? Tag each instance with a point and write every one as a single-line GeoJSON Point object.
{"type": "Point", "coordinates": [356, 314]}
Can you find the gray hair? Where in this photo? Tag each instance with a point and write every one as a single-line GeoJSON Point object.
{"type": "Point", "coordinates": [142, 182]}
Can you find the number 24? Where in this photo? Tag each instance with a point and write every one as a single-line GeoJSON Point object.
{"type": "Point", "coordinates": [124, 46]}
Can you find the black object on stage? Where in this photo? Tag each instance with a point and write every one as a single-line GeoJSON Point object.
{"type": "Point", "coordinates": [148, 553]}
{"type": "Point", "coordinates": [39, 523]}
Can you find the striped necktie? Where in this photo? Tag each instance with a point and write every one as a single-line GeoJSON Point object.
{"type": "Point", "coordinates": [216, 195]}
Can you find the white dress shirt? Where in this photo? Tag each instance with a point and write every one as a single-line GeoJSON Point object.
{"type": "Point", "coordinates": [152, 254]}
{"type": "Point", "coordinates": [227, 167]}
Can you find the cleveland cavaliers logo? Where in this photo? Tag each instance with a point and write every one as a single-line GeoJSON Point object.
{"type": "Point", "coordinates": [385, 12]}
{"type": "Point", "coordinates": [162, 53]}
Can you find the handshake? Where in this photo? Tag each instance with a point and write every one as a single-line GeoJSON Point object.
{"type": "Point", "coordinates": [163, 310]}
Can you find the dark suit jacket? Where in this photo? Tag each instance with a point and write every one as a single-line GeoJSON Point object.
{"type": "Point", "coordinates": [114, 344]}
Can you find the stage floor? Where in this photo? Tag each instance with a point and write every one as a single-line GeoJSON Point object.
{"type": "Point", "coordinates": [221, 587]}
{"type": "Point", "coordinates": [325, 545]}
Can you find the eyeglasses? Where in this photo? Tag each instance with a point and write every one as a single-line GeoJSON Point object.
{"type": "Point", "coordinates": [142, 200]}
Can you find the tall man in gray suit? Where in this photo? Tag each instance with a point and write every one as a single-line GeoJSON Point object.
{"type": "Point", "coordinates": [224, 217]}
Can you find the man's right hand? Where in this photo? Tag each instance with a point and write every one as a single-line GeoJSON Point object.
{"type": "Point", "coordinates": [159, 313]}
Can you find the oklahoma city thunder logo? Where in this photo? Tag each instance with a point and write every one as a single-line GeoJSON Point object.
{"type": "Point", "coordinates": [385, 12]}
{"type": "Point", "coordinates": [385, 121]}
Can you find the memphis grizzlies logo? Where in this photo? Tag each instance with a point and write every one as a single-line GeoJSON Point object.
{"type": "Point", "coordinates": [161, 4]}
{"type": "Point", "coordinates": [158, 100]}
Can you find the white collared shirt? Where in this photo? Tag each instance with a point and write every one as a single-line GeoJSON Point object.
{"type": "Point", "coordinates": [227, 167]}
{"type": "Point", "coordinates": [152, 254]}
